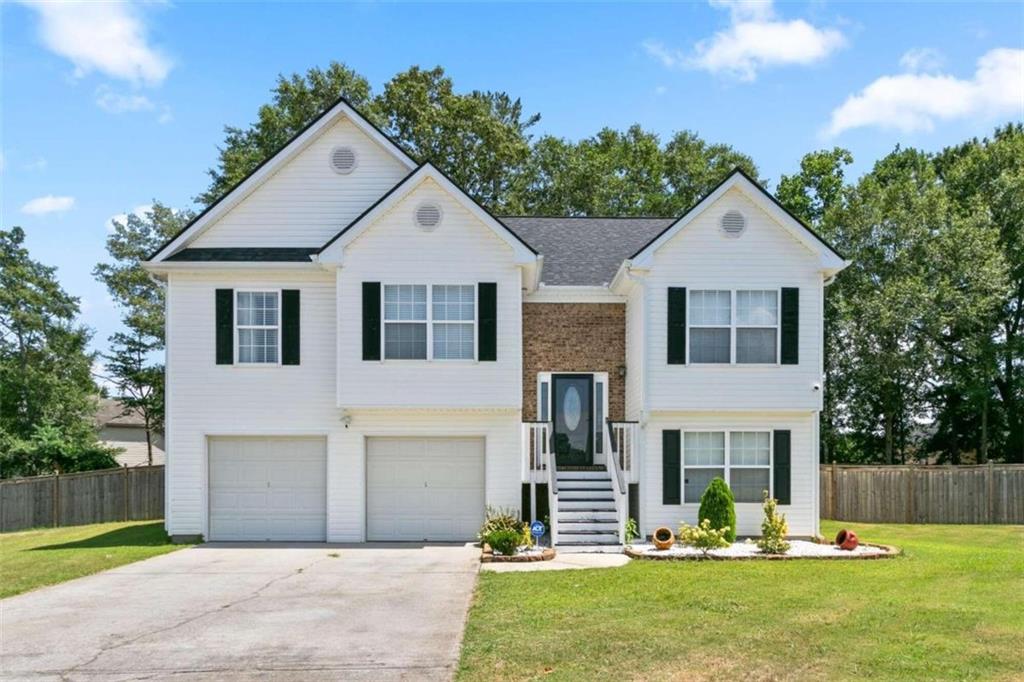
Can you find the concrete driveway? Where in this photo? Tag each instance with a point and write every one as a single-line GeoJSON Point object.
{"type": "Point", "coordinates": [229, 611]}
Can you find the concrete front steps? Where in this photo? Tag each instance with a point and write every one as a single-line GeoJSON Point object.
{"type": "Point", "coordinates": [586, 512]}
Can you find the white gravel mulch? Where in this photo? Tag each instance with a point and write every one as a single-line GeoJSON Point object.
{"type": "Point", "coordinates": [749, 550]}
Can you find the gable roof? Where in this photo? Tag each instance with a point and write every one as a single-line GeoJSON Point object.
{"type": "Point", "coordinates": [582, 251]}
{"type": "Point", "coordinates": [347, 234]}
{"type": "Point", "coordinates": [739, 179]}
{"type": "Point", "coordinates": [271, 164]}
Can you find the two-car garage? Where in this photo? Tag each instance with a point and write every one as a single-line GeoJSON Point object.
{"type": "Point", "coordinates": [417, 489]}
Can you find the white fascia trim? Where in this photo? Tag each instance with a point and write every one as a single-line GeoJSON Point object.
{"type": "Point", "coordinates": [756, 195]}
{"type": "Point", "coordinates": [333, 253]}
{"type": "Point", "coordinates": [573, 294]}
{"type": "Point", "coordinates": [274, 164]}
{"type": "Point", "coordinates": [163, 267]}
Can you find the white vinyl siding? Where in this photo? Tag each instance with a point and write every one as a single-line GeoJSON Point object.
{"type": "Point", "coordinates": [461, 252]}
{"type": "Point", "coordinates": [700, 258]}
{"type": "Point", "coordinates": [306, 202]}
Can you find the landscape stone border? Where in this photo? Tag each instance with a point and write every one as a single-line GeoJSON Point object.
{"type": "Point", "coordinates": [488, 556]}
{"type": "Point", "coordinates": [890, 552]}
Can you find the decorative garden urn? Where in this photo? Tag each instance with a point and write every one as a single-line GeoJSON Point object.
{"type": "Point", "coordinates": [663, 538]}
{"type": "Point", "coordinates": [847, 539]}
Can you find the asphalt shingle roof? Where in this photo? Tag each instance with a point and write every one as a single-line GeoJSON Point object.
{"type": "Point", "coordinates": [263, 254]}
{"type": "Point", "coordinates": [585, 251]}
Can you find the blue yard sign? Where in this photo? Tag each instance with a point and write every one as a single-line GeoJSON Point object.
{"type": "Point", "coordinates": [537, 529]}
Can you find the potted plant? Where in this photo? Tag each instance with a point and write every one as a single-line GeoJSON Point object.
{"type": "Point", "coordinates": [663, 537]}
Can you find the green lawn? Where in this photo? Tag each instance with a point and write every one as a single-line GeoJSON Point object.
{"type": "Point", "coordinates": [34, 558]}
{"type": "Point", "coordinates": [952, 607]}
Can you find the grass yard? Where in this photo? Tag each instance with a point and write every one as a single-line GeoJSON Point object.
{"type": "Point", "coordinates": [952, 607]}
{"type": "Point", "coordinates": [34, 558]}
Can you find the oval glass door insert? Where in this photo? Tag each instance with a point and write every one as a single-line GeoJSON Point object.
{"type": "Point", "coordinates": [572, 408]}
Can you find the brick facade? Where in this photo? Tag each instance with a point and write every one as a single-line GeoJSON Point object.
{"type": "Point", "coordinates": [574, 337]}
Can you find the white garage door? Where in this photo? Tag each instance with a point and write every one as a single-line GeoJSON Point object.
{"type": "Point", "coordinates": [268, 489]}
{"type": "Point", "coordinates": [424, 488]}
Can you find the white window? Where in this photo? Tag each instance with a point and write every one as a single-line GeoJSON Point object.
{"type": "Point", "coordinates": [257, 327]}
{"type": "Point", "coordinates": [739, 327]}
{"type": "Point", "coordinates": [443, 330]}
{"type": "Point", "coordinates": [741, 458]}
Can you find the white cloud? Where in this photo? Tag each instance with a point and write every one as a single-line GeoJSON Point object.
{"type": "Point", "coordinates": [921, 60]}
{"type": "Point", "coordinates": [660, 90]}
{"type": "Point", "coordinates": [108, 37]}
{"type": "Point", "coordinates": [140, 211]}
{"type": "Point", "coordinates": [48, 204]}
{"type": "Point", "coordinates": [756, 39]}
{"type": "Point", "coordinates": [118, 103]}
{"type": "Point", "coordinates": [911, 102]}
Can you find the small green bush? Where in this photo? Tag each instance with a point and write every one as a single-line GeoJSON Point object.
{"type": "Point", "coordinates": [499, 518]}
{"type": "Point", "coordinates": [773, 529]}
{"type": "Point", "coordinates": [632, 531]}
{"type": "Point", "coordinates": [703, 537]}
{"type": "Point", "coordinates": [718, 506]}
{"type": "Point", "coordinates": [504, 541]}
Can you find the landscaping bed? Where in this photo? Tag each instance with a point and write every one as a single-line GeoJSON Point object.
{"type": "Point", "coordinates": [522, 554]}
{"type": "Point", "coordinates": [740, 551]}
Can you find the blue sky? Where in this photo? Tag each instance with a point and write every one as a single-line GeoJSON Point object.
{"type": "Point", "coordinates": [108, 106]}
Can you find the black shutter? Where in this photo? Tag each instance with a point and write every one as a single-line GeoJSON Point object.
{"type": "Point", "coordinates": [290, 327]}
{"type": "Point", "coordinates": [487, 332]}
{"type": "Point", "coordinates": [670, 468]}
{"type": "Point", "coordinates": [371, 320]}
{"type": "Point", "coordinates": [225, 320]}
{"type": "Point", "coordinates": [782, 467]}
{"type": "Point", "coordinates": [790, 326]}
{"type": "Point", "coordinates": [677, 325]}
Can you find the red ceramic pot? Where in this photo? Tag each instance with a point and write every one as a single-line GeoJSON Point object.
{"type": "Point", "coordinates": [847, 539]}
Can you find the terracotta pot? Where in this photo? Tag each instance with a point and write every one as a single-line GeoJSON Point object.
{"type": "Point", "coordinates": [663, 538]}
{"type": "Point", "coordinates": [847, 539]}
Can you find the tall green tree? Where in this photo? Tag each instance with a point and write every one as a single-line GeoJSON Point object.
{"type": "Point", "coordinates": [47, 394]}
{"type": "Point", "coordinates": [625, 173]}
{"type": "Point", "coordinates": [133, 363]}
{"type": "Point", "coordinates": [480, 139]}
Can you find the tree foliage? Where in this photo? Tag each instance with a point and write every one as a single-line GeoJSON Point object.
{"type": "Point", "coordinates": [47, 394]}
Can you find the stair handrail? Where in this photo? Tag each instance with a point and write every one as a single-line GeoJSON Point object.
{"type": "Point", "coordinates": [619, 489]}
{"type": "Point", "coordinates": [549, 459]}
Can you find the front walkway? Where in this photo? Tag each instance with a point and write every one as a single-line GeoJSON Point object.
{"type": "Point", "coordinates": [233, 611]}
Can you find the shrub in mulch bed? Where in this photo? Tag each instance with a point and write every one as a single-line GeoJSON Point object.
{"type": "Point", "coordinates": [889, 553]}
{"type": "Point", "coordinates": [488, 556]}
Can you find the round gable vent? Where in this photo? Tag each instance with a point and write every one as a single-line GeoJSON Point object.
{"type": "Point", "coordinates": [428, 216]}
{"type": "Point", "coordinates": [733, 224]}
{"type": "Point", "coordinates": [343, 160]}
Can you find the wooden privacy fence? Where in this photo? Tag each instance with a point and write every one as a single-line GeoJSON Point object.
{"type": "Point", "coordinates": [985, 493]}
{"type": "Point", "coordinates": [123, 494]}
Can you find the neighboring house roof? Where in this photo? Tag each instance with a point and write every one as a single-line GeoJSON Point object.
{"type": "Point", "coordinates": [272, 163]}
{"type": "Point", "coordinates": [110, 412]}
{"type": "Point", "coordinates": [229, 254]}
{"type": "Point", "coordinates": [584, 251]}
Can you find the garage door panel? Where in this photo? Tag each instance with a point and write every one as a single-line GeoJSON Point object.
{"type": "Point", "coordinates": [267, 489]}
{"type": "Point", "coordinates": [424, 488]}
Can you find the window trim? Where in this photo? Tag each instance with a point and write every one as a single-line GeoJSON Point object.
{"type": "Point", "coordinates": [733, 326]}
{"type": "Point", "coordinates": [430, 322]}
{"type": "Point", "coordinates": [727, 466]}
{"type": "Point", "coordinates": [235, 327]}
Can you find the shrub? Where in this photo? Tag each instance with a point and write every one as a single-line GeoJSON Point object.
{"type": "Point", "coordinates": [504, 541]}
{"type": "Point", "coordinates": [773, 529]}
{"type": "Point", "coordinates": [632, 531]}
{"type": "Point", "coordinates": [718, 506]}
{"type": "Point", "coordinates": [703, 537]}
{"type": "Point", "coordinates": [499, 518]}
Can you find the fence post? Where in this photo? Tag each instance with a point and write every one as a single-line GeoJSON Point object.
{"type": "Point", "coordinates": [911, 474]}
{"type": "Point", "coordinates": [125, 492]}
{"type": "Point", "coordinates": [56, 500]}
{"type": "Point", "coordinates": [834, 501]}
{"type": "Point", "coordinates": [990, 485]}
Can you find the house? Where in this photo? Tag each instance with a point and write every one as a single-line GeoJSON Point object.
{"type": "Point", "coordinates": [358, 351]}
{"type": "Point", "coordinates": [126, 430]}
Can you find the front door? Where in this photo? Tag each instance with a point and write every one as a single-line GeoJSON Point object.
{"type": "Point", "coordinates": [573, 419]}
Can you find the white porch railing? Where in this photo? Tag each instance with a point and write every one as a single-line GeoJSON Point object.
{"type": "Point", "coordinates": [619, 485]}
{"type": "Point", "coordinates": [536, 451]}
{"type": "Point", "coordinates": [624, 438]}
